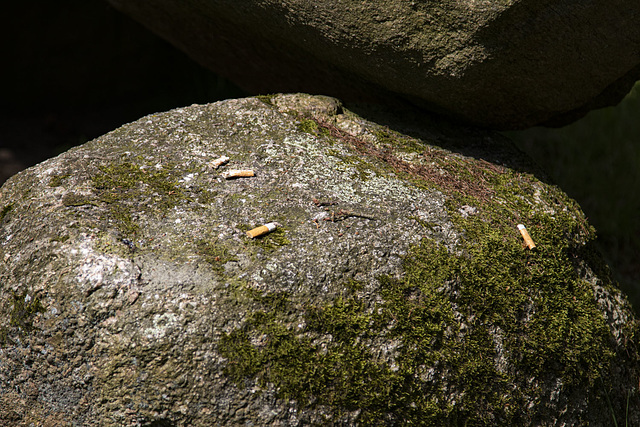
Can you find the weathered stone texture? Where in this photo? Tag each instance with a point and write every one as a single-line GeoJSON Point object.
{"type": "Point", "coordinates": [396, 289]}
{"type": "Point", "coordinates": [502, 64]}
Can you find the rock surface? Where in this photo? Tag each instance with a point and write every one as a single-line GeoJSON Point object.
{"type": "Point", "coordinates": [502, 64]}
{"type": "Point", "coordinates": [396, 288]}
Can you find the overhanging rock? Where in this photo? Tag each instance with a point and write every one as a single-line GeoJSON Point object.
{"type": "Point", "coordinates": [501, 64]}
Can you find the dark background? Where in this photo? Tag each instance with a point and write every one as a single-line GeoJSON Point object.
{"type": "Point", "coordinates": [76, 69]}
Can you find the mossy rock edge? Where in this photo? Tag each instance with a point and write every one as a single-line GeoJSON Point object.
{"type": "Point", "coordinates": [395, 290]}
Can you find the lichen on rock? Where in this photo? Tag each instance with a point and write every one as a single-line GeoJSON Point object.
{"type": "Point", "coordinates": [396, 287]}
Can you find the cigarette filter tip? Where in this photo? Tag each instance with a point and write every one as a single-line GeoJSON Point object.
{"type": "Point", "coordinates": [263, 229]}
{"type": "Point", "coordinates": [220, 161]}
{"type": "Point", "coordinates": [237, 174]}
{"type": "Point", "coordinates": [525, 235]}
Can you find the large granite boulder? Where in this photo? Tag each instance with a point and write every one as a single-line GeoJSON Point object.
{"type": "Point", "coordinates": [502, 64]}
{"type": "Point", "coordinates": [395, 289]}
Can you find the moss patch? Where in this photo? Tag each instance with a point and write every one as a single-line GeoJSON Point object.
{"type": "Point", "coordinates": [75, 199]}
{"type": "Point", "coordinates": [310, 126]}
{"type": "Point", "coordinates": [478, 334]}
{"type": "Point", "coordinates": [24, 310]}
{"type": "Point", "coordinates": [60, 239]}
{"type": "Point", "coordinates": [393, 140]}
{"type": "Point", "coordinates": [149, 187]}
{"type": "Point", "coordinates": [216, 254]}
{"type": "Point", "coordinates": [56, 180]}
{"type": "Point", "coordinates": [267, 99]}
{"type": "Point", "coordinates": [269, 241]}
{"type": "Point", "coordinates": [128, 179]}
{"type": "Point", "coordinates": [5, 210]}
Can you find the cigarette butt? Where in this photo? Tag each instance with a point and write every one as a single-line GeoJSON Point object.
{"type": "Point", "coordinates": [525, 235]}
{"type": "Point", "coordinates": [237, 174]}
{"type": "Point", "coordinates": [263, 229]}
{"type": "Point", "coordinates": [220, 161]}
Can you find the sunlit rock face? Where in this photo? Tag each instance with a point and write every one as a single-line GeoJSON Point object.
{"type": "Point", "coordinates": [395, 287]}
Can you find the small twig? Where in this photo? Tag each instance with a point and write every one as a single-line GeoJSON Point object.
{"type": "Point", "coordinates": [343, 214]}
{"type": "Point", "coordinates": [323, 203]}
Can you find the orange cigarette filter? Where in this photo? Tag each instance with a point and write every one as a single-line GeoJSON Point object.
{"type": "Point", "coordinates": [237, 173]}
{"type": "Point", "coordinates": [263, 229]}
{"type": "Point", "coordinates": [525, 235]}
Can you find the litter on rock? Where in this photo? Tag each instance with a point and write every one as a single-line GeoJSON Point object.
{"type": "Point", "coordinates": [237, 173]}
{"type": "Point", "coordinates": [525, 235]}
{"type": "Point", "coordinates": [219, 161]}
{"type": "Point", "coordinates": [263, 229]}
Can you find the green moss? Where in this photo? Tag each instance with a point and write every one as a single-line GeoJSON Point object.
{"type": "Point", "coordinates": [60, 239]}
{"type": "Point", "coordinates": [126, 178]}
{"type": "Point", "coordinates": [5, 210]}
{"type": "Point", "coordinates": [385, 137]}
{"type": "Point", "coordinates": [56, 180]}
{"type": "Point", "coordinates": [206, 196]}
{"type": "Point", "coordinates": [74, 199]}
{"type": "Point", "coordinates": [22, 315]}
{"type": "Point", "coordinates": [354, 286]}
{"type": "Point", "coordinates": [269, 241]}
{"type": "Point", "coordinates": [215, 254]}
{"type": "Point", "coordinates": [389, 139]}
{"type": "Point", "coordinates": [308, 126]}
{"type": "Point", "coordinates": [152, 189]}
{"type": "Point", "coordinates": [426, 224]}
{"type": "Point", "coordinates": [267, 99]}
{"type": "Point", "coordinates": [519, 314]}
{"type": "Point", "coordinates": [124, 221]}
{"type": "Point", "coordinates": [297, 367]}
{"type": "Point", "coordinates": [528, 308]}
{"type": "Point", "coordinates": [392, 140]}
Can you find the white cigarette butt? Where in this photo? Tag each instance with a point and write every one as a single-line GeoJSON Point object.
{"type": "Point", "coordinates": [525, 235]}
{"type": "Point", "coordinates": [237, 173]}
{"type": "Point", "coordinates": [220, 161]}
{"type": "Point", "coordinates": [263, 229]}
